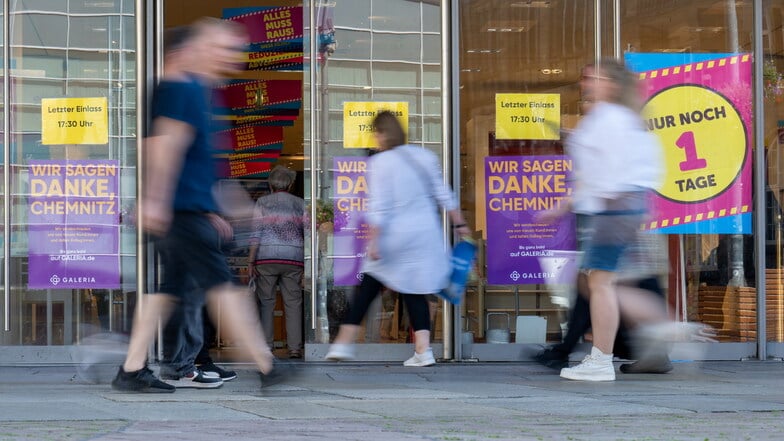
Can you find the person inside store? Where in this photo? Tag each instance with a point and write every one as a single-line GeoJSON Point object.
{"type": "Point", "coordinates": [617, 162]}
{"type": "Point", "coordinates": [406, 251]}
{"type": "Point", "coordinates": [179, 211]}
{"type": "Point", "coordinates": [276, 257]}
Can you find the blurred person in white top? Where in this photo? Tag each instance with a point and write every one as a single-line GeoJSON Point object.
{"type": "Point", "coordinates": [617, 162]}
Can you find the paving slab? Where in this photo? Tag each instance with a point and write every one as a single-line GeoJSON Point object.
{"type": "Point", "coordinates": [375, 401]}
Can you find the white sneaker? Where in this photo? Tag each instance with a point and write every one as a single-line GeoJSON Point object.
{"type": "Point", "coordinates": [419, 360]}
{"type": "Point", "coordinates": [196, 379]}
{"type": "Point", "coordinates": [340, 352]}
{"type": "Point", "coordinates": [592, 368]}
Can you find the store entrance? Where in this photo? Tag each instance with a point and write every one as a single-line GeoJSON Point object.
{"type": "Point", "coordinates": [259, 116]}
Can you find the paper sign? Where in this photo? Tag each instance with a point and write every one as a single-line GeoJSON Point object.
{"type": "Point", "coordinates": [701, 110]}
{"type": "Point", "coordinates": [74, 121]}
{"type": "Point", "coordinates": [517, 188]}
{"type": "Point", "coordinates": [74, 217]}
{"type": "Point", "coordinates": [358, 121]}
{"type": "Point", "coordinates": [527, 116]}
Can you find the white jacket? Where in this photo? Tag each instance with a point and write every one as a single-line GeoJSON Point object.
{"type": "Point", "coordinates": [613, 152]}
{"type": "Point", "coordinates": [402, 204]}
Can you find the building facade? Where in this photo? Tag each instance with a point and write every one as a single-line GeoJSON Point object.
{"type": "Point", "coordinates": [76, 81]}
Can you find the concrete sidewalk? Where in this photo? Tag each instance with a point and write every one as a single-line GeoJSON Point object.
{"type": "Point", "coordinates": [378, 402]}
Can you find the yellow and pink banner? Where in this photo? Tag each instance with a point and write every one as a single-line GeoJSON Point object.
{"type": "Point", "coordinates": [700, 107]}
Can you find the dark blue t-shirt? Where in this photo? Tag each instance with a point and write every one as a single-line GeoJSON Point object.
{"type": "Point", "coordinates": [187, 101]}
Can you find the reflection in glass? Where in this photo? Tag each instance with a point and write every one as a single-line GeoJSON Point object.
{"type": "Point", "coordinates": [380, 57]}
{"type": "Point", "coordinates": [59, 52]}
{"type": "Point", "coordinates": [508, 47]}
{"type": "Point", "coordinates": [773, 83]}
{"type": "Point", "coordinates": [719, 284]}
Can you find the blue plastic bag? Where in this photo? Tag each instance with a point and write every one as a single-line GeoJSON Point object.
{"type": "Point", "coordinates": [462, 258]}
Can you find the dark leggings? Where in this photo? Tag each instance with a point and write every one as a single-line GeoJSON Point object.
{"type": "Point", "coordinates": [416, 304]}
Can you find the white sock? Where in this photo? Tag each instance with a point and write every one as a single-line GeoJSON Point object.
{"type": "Point", "coordinates": [596, 353]}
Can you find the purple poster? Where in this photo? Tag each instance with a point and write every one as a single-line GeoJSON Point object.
{"type": "Point", "coordinates": [350, 231]}
{"type": "Point", "coordinates": [73, 217]}
{"type": "Point", "coordinates": [516, 189]}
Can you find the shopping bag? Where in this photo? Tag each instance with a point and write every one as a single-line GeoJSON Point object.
{"type": "Point", "coordinates": [462, 258]}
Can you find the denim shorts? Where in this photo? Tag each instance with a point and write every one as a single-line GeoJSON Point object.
{"type": "Point", "coordinates": [610, 233]}
{"type": "Point", "coordinates": [191, 256]}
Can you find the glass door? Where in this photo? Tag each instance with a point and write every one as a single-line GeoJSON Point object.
{"type": "Point", "coordinates": [695, 57]}
{"type": "Point", "coordinates": [388, 56]}
{"type": "Point", "coordinates": [520, 67]}
{"type": "Point", "coordinates": [71, 164]}
{"type": "Point", "coordinates": [773, 94]}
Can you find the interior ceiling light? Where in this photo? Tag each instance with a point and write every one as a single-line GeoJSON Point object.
{"type": "Point", "coordinates": [483, 51]}
{"type": "Point", "coordinates": [515, 29]}
{"type": "Point", "coordinates": [714, 29]}
{"type": "Point", "coordinates": [508, 25]}
{"type": "Point", "coordinates": [531, 4]}
{"type": "Point", "coordinates": [551, 71]}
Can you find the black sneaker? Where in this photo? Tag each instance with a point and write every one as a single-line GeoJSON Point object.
{"type": "Point", "coordinates": [552, 359]}
{"type": "Point", "coordinates": [652, 365]}
{"type": "Point", "coordinates": [213, 370]}
{"type": "Point", "coordinates": [196, 379]}
{"type": "Point", "coordinates": [142, 380]}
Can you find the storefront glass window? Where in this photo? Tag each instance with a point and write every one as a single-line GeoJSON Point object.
{"type": "Point", "coordinates": [773, 92]}
{"type": "Point", "coordinates": [380, 60]}
{"type": "Point", "coordinates": [530, 53]}
{"type": "Point", "coordinates": [708, 45]}
{"type": "Point", "coordinates": [73, 170]}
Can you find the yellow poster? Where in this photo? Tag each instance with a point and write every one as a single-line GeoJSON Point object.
{"type": "Point", "coordinates": [527, 116]}
{"type": "Point", "coordinates": [74, 121]}
{"type": "Point", "coordinates": [358, 121]}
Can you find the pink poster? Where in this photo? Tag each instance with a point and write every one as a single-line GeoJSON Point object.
{"type": "Point", "coordinates": [702, 113]}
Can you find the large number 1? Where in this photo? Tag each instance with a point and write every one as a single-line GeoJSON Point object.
{"type": "Point", "coordinates": [692, 162]}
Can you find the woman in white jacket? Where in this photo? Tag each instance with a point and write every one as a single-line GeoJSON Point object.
{"type": "Point", "coordinates": [406, 252]}
{"type": "Point", "coordinates": [617, 163]}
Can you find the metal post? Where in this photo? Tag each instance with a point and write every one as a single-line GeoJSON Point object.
{"type": "Point", "coordinates": [313, 53]}
{"type": "Point", "coordinates": [450, 135]}
{"type": "Point", "coordinates": [617, 29]}
{"type": "Point", "coordinates": [6, 168]}
{"type": "Point", "coordinates": [759, 184]}
{"type": "Point", "coordinates": [597, 32]}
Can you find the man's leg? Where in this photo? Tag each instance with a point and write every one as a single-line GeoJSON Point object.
{"type": "Point", "coordinates": [183, 338]}
{"type": "Point", "coordinates": [291, 291]}
{"type": "Point", "coordinates": [203, 357]}
{"type": "Point", "coordinates": [266, 284]}
{"type": "Point", "coordinates": [239, 320]}
{"type": "Point", "coordinates": [133, 375]}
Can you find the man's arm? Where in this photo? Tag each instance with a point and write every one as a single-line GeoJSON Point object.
{"type": "Point", "coordinates": [163, 160]}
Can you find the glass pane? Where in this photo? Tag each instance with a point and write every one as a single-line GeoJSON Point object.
{"type": "Point", "coordinates": [73, 264]}
{"type": "Point", "coordinates": [356, 47]}
{"type": "Point", "coordinates": [535, 54]}
{"type": "Point", "coordinates": [773, 80]}
{"type": "Point", "coordinates": [699, 43]}
{"type": "Point", "coordinates": [397, 16]}
{"type": "Point", "coordinates": [404, 47]}
{"type": "Point", "coordinates": [393, 28]}
{"type": "Point", "coordinates": [5, 295]}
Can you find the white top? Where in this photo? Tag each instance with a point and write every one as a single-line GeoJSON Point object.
{"type": "Point", "coordinates": [613, 152]}
{"type": "Point", "coordinates": [414, 259]}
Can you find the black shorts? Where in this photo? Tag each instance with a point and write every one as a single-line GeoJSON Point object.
{"type": "Point", "coordinates": [191, 256]}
